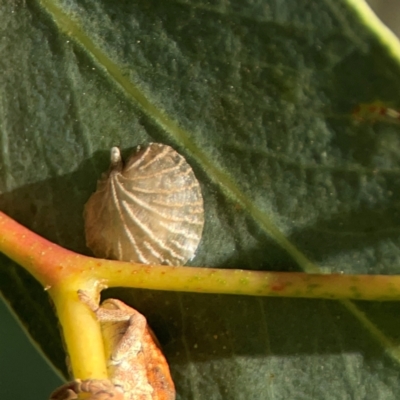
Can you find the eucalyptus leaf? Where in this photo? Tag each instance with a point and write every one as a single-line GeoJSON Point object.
{"type": "Point", "coordinates": [259, 97]}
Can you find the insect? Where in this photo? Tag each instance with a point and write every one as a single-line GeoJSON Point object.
{"type": "Point", "coordinates": [376, 111]}
{"type": "Point", "coordinates": [136, 367]}
{"type": "Point", "coordinates": [148, 210]}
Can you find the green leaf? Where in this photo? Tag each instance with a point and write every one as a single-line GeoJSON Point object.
{"type": "Point", "coordinates": [258, 96]}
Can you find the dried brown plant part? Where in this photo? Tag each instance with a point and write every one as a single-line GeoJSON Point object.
{"type": "Point", "coordinates": [148, 210]}
{"type": "Point", "coordinates": [98, 389]}
{"type": "Point", "coordinates": [135, 362]}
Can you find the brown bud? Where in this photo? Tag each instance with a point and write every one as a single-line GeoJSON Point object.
{"type": "Point", "coordinates": [99, 389]}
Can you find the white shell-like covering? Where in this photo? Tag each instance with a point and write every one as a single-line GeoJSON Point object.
{"type": "Point", "coordinates": [149, 210]}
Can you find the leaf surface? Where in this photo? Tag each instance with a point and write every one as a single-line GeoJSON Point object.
{"type": "Point", "coordinates": [258, 96]}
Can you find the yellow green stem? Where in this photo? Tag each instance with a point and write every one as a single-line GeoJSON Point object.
{"type": "Point", "coordinates": [63, 273]}
{"type": "Point", "coordinates": [56, 267]}
{"type": "Point", "coordinates": [253, 283]}
{"type": "Point", "coordinates": [82, 335]}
